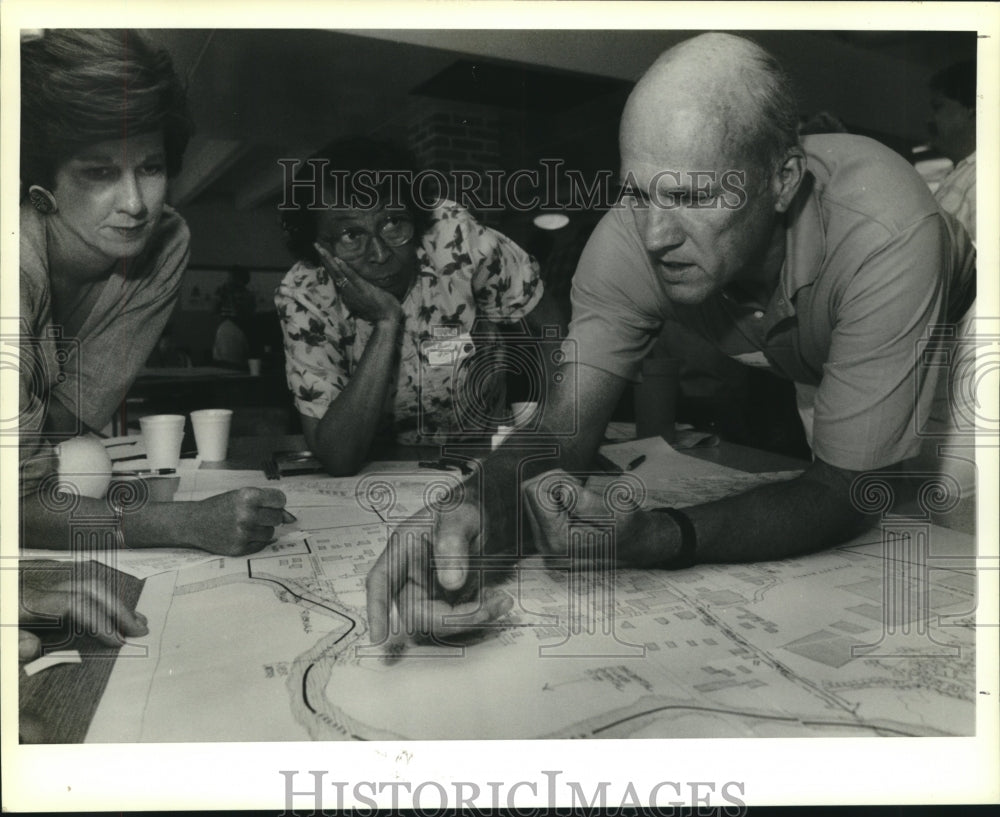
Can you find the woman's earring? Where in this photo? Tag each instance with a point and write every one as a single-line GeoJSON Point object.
{"type": "Point", "coordinates": [42, 200]}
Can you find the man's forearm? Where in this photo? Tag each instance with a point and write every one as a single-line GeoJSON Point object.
{"type": "Point", "coordinates": [568, 439]}
{"type": "Point", "coordinates": [765, 523]}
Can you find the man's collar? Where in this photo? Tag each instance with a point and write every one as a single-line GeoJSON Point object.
{"type": "Point", "coordinates": [805, 246]}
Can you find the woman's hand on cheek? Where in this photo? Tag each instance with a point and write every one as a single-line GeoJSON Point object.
{"type": "Point", "coordinates": [363, 298]}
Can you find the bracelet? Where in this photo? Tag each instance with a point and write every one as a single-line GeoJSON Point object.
{"type": "Point", "coordinates": [689, 540]}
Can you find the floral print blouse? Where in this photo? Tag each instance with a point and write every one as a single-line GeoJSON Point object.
{"type": "Point", "coordinates": [450, 378]}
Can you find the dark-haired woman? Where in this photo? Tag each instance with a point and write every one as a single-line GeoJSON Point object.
{"type": "Point", "coordinates": [389, 303]}
{"type": "Point", "coordinates": [103, 124]}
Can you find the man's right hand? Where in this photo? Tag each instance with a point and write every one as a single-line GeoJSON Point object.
{"type": "Point", "coordinates": [418, 569]}
{"type": "Point", "coordinates": [83, 593]}
{"type": "Point", "coordinates": [236, 523]}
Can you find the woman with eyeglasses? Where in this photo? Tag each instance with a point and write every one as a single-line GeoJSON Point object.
{"type": "Point", "coordinates": [391, 305]}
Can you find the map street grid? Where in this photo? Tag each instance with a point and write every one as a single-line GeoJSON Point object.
{"type": "Point", "coordinates": [274, 646]}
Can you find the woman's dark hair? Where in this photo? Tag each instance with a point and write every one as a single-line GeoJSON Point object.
{"type": "Point", "coordinates": [82, 86]}
{"type": "Point", "coordinates": [357, 172]}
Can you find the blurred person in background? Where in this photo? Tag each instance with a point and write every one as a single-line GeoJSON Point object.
{"type": "Point", "coordinates": [953, 134]}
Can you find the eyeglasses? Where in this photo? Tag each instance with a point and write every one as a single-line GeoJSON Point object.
{"type": "Point", "coordinates": [354, 241]}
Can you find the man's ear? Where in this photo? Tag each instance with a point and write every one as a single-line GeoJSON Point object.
{"type": "Point", "coordinates": [787, 178]}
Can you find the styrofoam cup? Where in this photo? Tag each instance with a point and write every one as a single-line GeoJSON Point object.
{"type": "Point", "coordinates": [211, 433]}
{"type": "Point", "coordinates": [162, 435]}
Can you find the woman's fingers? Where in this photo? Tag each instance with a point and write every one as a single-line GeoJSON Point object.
{"type": "Point", "coordinates": [333, 265]}
{"type": "Point", "coordinates": [341, 272]}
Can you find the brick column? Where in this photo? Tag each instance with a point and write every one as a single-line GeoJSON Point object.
{"type": "Point", "coordinates": [459, 138]}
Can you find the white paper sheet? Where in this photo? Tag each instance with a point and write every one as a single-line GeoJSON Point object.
{"type": "Point", "coordinates": [52, 659]}
{"type": "Point", "coordinates": [274, 647]}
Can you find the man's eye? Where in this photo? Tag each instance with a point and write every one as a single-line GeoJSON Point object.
{"type": "Point", "coordinates": [152, 169]}
{"type": "Point", "coordinates": [98, 173]}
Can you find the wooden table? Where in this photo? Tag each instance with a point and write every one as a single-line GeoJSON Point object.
{"type": "Point", "coordinates": [69, 694]}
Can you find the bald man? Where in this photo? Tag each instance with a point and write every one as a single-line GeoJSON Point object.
{"type": "Point", "coordinates": [824, 260]}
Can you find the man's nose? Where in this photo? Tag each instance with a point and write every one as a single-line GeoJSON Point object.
{"type": "Point", "coordinates": [130, 197]}
{"type": "Point", "coordinates": [663, 228]}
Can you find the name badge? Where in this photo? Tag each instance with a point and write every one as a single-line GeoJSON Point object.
{"type": "Point", "coordinates": [448, 351]}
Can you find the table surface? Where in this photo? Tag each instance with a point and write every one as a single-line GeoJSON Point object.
{"type": "Point", "coordinates": [155, 374]}
{"type": "Point", "coordinates": [69, 694]}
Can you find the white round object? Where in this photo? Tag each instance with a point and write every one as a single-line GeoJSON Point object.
{"type": "Point", "coordinates": [84, 466]}
{"type": "Point", "coordinates": [551, 221]}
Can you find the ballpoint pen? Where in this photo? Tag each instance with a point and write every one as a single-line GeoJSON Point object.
{"type": "Point", "coordinates": [636, 462]}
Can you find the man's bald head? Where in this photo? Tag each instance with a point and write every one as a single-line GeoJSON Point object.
{"type": "Point", "coordinates": [716, 86]}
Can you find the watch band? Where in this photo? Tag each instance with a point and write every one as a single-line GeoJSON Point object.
{"type": "Point", "coordinates": [689, 540]}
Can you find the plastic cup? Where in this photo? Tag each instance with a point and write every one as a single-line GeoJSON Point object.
{"type": "Point", "coordinates": [656, 398]}
{"type": "Point", "coordinates": [211, 433]}
{"type": "Point", "coordinates": [254, 364]}
{"type": "Point", "coordinates": [162, 488]}
{"type": "Point", "coordinates": [163, 435]}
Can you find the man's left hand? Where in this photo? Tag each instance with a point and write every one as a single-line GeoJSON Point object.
{"type": "Point", "coordinates": [559, 505]}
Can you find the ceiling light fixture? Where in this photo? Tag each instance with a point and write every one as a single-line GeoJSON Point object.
{"type": "Point", "coordinates": [551, 221]}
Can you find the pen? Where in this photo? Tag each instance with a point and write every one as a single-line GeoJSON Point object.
{"type": "Point", "coordinates": [144, 472]}
{"type": "Point", "coordinates": [287, 518]}
{"type": "Point", "coordinates": [636, 462]}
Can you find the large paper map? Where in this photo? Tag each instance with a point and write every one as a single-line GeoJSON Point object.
{"type": "Point", "coordinates": [275, 646]}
